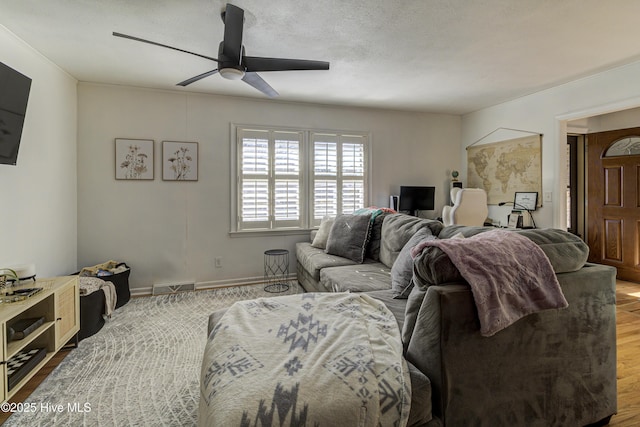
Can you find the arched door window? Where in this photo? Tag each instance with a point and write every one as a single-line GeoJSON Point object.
{"type": "Point", "coordinates": [627, 146]}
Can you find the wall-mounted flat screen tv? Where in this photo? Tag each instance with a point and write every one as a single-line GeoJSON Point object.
{"type": "Point", "coordinates": [14, 95]}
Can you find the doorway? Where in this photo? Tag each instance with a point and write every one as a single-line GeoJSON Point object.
{"type": "Point", "coordinates": [613, 198]}
{"type": "Point", "coordinates": [575, 182]}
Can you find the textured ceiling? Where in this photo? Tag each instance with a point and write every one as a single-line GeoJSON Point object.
{"type": "Point", "coordinates": [449, 56]}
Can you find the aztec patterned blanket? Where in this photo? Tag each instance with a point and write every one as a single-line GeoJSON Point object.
{"type": "Point", "coordinates": [305, 360]}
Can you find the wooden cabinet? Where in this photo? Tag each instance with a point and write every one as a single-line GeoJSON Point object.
{"type": "Point", "coordinates": [59, 304]}
{"type": "Point", "coordinates": [67, 309]}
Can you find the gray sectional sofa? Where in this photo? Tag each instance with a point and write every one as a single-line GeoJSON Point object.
{"type": "Point", "coordinates": [551, 368]}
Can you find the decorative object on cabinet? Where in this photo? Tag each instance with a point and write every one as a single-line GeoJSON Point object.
{"type": "Point", "coordinates": [454, 180]}
{"type": "Point", "coordinates": [21, 364]}
{"type": "Point", "coordinates": [134, 159]}
{"type": "Point", "coordinates": [25, 272]}
{"type": "Point", "coordinates": [7, 275]}
{"type": "Point", "coordinates": [23, 327]}
{"type": "Point", "coordinates": [179, 161]}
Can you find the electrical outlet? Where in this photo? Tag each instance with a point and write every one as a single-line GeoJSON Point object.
{"type": "Point", "coordinates": [548, 196]}
{"type": "Point", "coordinates": [218, 262]}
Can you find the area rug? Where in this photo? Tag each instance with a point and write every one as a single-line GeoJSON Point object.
{"type": "Point", "coordinates": [141, 369]}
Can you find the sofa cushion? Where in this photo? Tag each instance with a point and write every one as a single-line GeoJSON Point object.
{"type": "Point", "coordinates": [356, 278]}
{"type": "Point", "coordinates": [402, 270]}
{"type": "Point", "coordinates": [320, 238]}
{"type": "Point", "coordinates": [397, 306]}
{"type": "Point", "coordinates": [397, 229]}
{"type": "Point", "coordinates": [313, 259]}
{"type": "Point", "coordinates": [565, 251]}
{"type": "Point", "coordinates": [420, 385]}
{"type": "Point", "coordinates": [349, 236]}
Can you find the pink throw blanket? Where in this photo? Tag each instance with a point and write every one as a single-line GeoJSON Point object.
{"type": "Point", "coordinates": [510, 276]}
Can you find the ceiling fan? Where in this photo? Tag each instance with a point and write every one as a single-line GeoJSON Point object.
{"type": "Point", "coordinates": [233, 64]}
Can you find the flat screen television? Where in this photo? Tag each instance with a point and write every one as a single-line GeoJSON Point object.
{"type": "Point", "coordinates": [14, 95]}
{"type": "Point", "coordinates": [414, 199]}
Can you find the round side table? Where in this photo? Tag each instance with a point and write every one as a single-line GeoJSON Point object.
{"type": "Point", "coordinates": [276, 270]}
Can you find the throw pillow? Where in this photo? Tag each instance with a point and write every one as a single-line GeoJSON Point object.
{"type": "Point", "coordinates": [397, 229]}
{"type": "Point", "coordinates": [349, 236]}
{"type": "Point", "coordinates": [373, 250]}
{"type": "Point", "coordinates": [320, 239]}
{"type": "Point", "coordinates": [377, 218]}
{"type": "Point", "coordinates": [402, 270]}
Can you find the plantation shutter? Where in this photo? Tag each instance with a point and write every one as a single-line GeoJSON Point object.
{"type": "Point", "coordinates": [353, 172]}
{"type": "Point", "coordinates": [270, 179]}
{"type": "Point", "coordinates": [287, 179]}
{"type": "Point", "coordinates": [339, 170]}
{"type": "Point", "coordinates": [325, 177]}
{"type": "Point", "coordinates": [253, 199]}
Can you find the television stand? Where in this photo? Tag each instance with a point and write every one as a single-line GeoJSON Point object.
{"type": "Point", "coordinates": [56, 312]}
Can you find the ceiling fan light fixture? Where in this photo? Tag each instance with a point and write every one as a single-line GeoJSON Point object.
{"type": "Point", "coordinates": [231, 73]}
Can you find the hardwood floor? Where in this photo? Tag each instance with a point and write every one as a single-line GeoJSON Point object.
{"type": "Point", "coordinates": [29, 387]}
{"type": "Point", "coordinates": [628, 336]}
{"type": "Point", "coordinates": [628, 332]}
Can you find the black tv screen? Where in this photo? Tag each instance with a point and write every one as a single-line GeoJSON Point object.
{"type": "Point", "coordinates": [14, 95]}
{"type": "Point", "coordinates": [416, 199]}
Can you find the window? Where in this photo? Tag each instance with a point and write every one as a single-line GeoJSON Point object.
{"type": "Point", "coordinates": [339, 165]}
{"type": "Point", "coordinates": [627, 146]}
{"type": "Point", "coordinates": [291, 179]}
{"type": "Point", "coordinates": [270, 179]}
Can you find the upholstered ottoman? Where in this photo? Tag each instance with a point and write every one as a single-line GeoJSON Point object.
{"type": "Point", "coordinates": [312, 359]}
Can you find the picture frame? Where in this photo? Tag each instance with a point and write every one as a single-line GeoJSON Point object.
{"type": "Point", "coordinates": [134, 159]}
{"type": "Point", "coordinates": [514, 220]}
{"type": "Point", "coordinates": [179, 161]}
{"type": "Point", "coordinates": [526, 200]}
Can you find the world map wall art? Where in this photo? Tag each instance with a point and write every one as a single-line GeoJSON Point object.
{"type": "Point", "coordinates": [504, 167]}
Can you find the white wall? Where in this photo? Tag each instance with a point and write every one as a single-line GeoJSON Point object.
{"type": "Point", "coordinates": [38, 216]}
{"type": "Point", "coordinates": [172, 231]}
{"type": "Point", "coordinates": [548, 112]}
{"type": "Point", "coordinates": [612, 121]}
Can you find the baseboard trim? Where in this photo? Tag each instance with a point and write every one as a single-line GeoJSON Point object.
{"type": "Point", "coordinates": [211, 284]}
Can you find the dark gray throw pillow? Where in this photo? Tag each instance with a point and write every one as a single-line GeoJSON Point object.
{"type": "Point", "coordinates": [402, 270]}
{"type": "Point", "coordinates": [349, 236]}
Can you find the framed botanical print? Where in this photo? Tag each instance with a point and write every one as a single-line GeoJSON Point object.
{"type": "Point", "coordinates": [134, 159]}
{"type": "Point", "coordinates": [179, 161]}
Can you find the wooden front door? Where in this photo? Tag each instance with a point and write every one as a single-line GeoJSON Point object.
{"type": "Point", "coordinates": [613, 201]}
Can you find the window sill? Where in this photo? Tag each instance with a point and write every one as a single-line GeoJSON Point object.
{"type": "Point", "coordinates": [264, 233]}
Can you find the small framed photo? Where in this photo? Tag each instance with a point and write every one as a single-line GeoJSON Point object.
{"type": "Point", "coordinates": [526, 200]}
{"type": "Point", "coordinates": [179, 161]}
{"type": "Point", "coordinates": [134, 159]}
{"type": "Point", "coordinates": [513, 220]}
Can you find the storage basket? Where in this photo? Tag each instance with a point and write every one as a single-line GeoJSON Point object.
{"type": "Point", "coordinates": [121, 283]}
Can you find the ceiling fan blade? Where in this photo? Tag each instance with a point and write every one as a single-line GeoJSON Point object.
{"type": "Point", "coordinates": [196, 78]}
{"type": "Point", "coordinates": [138, 39]}
{"type": "Point", "coordinates": [256, 81]}
{"type": "Point", "coordinates": [232, 43]}
{"type": "Point", "coordinates": [256, 63]}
